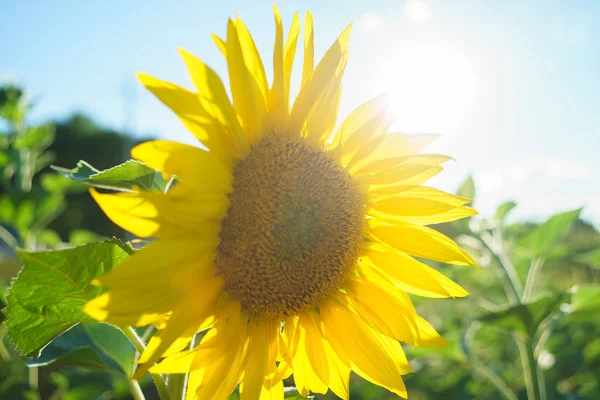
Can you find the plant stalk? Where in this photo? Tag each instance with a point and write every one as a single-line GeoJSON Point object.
{"type": "Point", "coordinates": [136, 390]}
{"type": "Point", "coordinates": [530, 368]}
{"type": "Point", "coordinates": [176, 384]}
{"type": "Point", "coordinates": [159, 382]}
{"type": "Point", "coordinates": [508, 270]}
{"type": "Point", "coordinates": [494, 378]}
{"type": "Point", "coordinates": [532, 277]}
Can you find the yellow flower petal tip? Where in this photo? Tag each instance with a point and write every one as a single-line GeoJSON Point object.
{"type": "Point", "coordinates": [262, 245]}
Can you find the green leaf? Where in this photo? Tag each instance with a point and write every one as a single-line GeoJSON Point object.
{"type": "Point", "coordinates": [49, 238]}
{"type": "Point", "coordinates": [124, 176]}
{"type": "Point", "coordinates": [585, 302]}
{"type": "Point", "coordinates": [83, 236]}
{"type": "Point", "coordinates": [591, 257]}
{"type": "Point", "coordinates": [291, 393]}
{"type": "Point", "coordinates": [525, 318]}
{"type": "Point", "coordinates": [503, 210]}
{"type": "Point", "coordinates": [93, 346]}
{"type": "Point", "coordinates": [113, 343]}
{"type": "Point", "coordinates": [35, 138]}
{"type": "Point", "coordinates": [48, 296]}
{"type": "Point", "coordinates": [543, 236]}
{"type": "Point", "coordinates": [7, 209]}
{"type": "Point", "coordinates": [75, 348]}
{"type": "Point", "coordinates": [55, 183]}
{"type": "Point", "coordinates": [3, 159]}
{"type": "Point", "coordinates": [467, 189]}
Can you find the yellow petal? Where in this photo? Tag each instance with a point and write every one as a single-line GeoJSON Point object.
{"type": "Point", "coordinates": [309, 50]}
{"type": "Point", "coordinates": [410, 206]}
{"type": "Point", "coordinates": [386, 164]}
{"type": "Point", "coordinates": [134, 307]}
{"type": "Point", "coordinates": [153, 214]}
{"type": "Point", "coordinates": [162, 263]}
{"type": "Point", "coordinates": [189, 109]}
{"type": "Point", "coordinates": [255, 370]}
{"type": "Point", "coordinates": [420, 241]}
{"type": "Point", "coordinates": [248, 97]}
{"type": "Point", "coordinates": [151, 282]}
{"type": "Point", "coordinates": [427, 192]}
{"type": "Point", "coordinates": [404, 173]}
{"type": "Point", "coordinates": [198, 168]}
{"type": "Point", "coordinates": [220, 44]}
{"type": "Point", "coordinates": [339, 373]}
{"type": "Point", "coordinates": [274, 392]}
{"type": "Point", "coordinates": [289, 53]}
{"type": "Point", "coordinates": [219, 357]}
{"type": "Point", "coordinates": [252, 57]}
{"type": "Point", "coordinates": [323, 116]}
{"type": "Point", "coordinates": [369, 119]}
{"type": "Point", "coordinates": [181, 342]}
{"type": "Point", "coordinates": [330, 67]}
{"type": "Point", "coordinates": [185, 321]}
{"type": "Point", "coordinates": [398, 145]}
{"type": "Point", "coordinates": [411, 275]}
{"type": "Point", "coordinates": [315, 349]}
{"type": "Point", "coordinates": [306, 344]}
{"type": "Point", "coordinates": [213, 97]}
{"type": "Point", "coordinates": [371, 354]}
{"type": "Point", "coordinates": [277, 99]}
{"type": "Point", "coordinates": [392, 313]}
{"type": "Point", "coordinates": [446, 216]}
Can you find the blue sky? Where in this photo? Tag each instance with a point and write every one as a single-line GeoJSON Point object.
{"type": "Point", "coordinates": [513, 86]}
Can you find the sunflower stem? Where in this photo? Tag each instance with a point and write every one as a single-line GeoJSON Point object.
{"type": "Point", "coordinates": [494, 378]}
{"type": "Point", "coordinates": [159, 382]}
{"type": "Point", "coordinates": [136, 390]}
{"type": "Point", "coordinates": [508, 270]}
{"type": "Point", "coordinates": [530, 368]}
{"type": "Point", "coordinates": [176, 384]}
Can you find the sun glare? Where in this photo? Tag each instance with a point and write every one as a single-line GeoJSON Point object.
{"type": "Point", "coordinates": [418, 10]}
{"type": "Point", "coordinates": [431, 86]}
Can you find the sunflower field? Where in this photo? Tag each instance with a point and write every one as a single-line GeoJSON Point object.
{"type": "Point", "coordinates": [290, 254]}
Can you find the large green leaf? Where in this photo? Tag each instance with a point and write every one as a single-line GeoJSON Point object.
{"type": "Point", "coordinates": [75, 348]}
{"type": "Point", "coordinates": [93, 346]}
{"type": "Point", "coordinates": [585, 303]}
{"type": "Point", "coordinates": [525, 318]}
{"type": "Point", "coordinates": [543, 236]}
{"type": "Point", "coordinates": [124, 176]}
{"type": "Point", "coordinates": [591, 257]}
{"type": "Point", "coordinates": [47, 297]}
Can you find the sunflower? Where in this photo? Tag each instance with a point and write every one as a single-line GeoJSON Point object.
{"type": "Point", "coordinates": [288, 243]}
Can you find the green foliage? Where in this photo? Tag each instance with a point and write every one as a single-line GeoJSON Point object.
{"type": "Point", "coordinates": [61, 283]}
{"type": "Point", "coordinates": [467, 189]}
{"type": "Point", "coordinates": [525, 318]}
{"type": "Point", "coordinates": [38, 138]}
{"type": "Point", "coordinates": [125, 176]}
{"type": "Point", "coordinates": [93, 346]}
{"type": "Point", "coordinates": [503, 210]}
{"type": "Point", "coordinates": [542, 237]}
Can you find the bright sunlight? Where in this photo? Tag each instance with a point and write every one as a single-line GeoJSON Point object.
{"type": "Point", "coordinates": [431, 86]}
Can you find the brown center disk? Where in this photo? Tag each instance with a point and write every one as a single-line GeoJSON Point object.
{"type": "Point", "coordinates": [293, 231]}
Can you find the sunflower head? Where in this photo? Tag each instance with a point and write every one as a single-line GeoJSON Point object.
{"type": "Point", "coordinates": [288, 241]}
